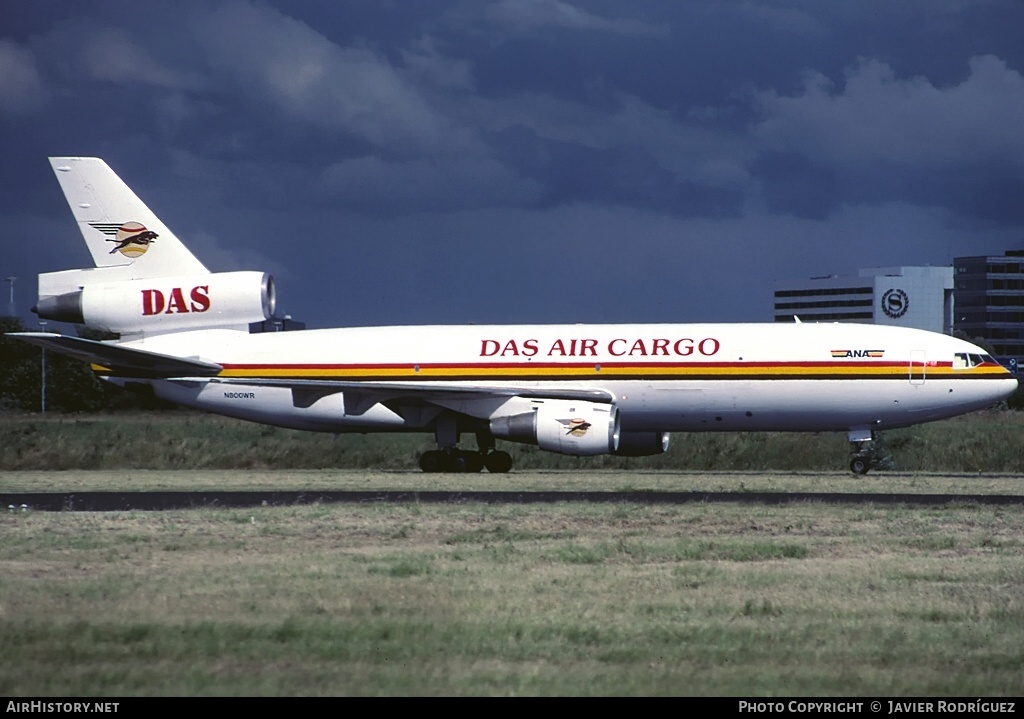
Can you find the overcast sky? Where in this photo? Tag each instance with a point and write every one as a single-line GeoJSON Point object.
{"type": "Point", "coordinates": [523, 161]}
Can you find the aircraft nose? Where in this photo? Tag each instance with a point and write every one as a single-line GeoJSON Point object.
{"type": "Point", "coordinates": [1004, 388]}
{"type": "Point", "coordinates": [1014, 383]}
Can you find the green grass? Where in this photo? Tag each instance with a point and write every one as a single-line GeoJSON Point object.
{"type": "Point", "coordinates": [724, 599]}
{"type": "Point", "coordinates": [794, 600]}
{"type": "Point", "coordinates": [604, 480]}
{"type": "Point", "coordinates": [990, 441]}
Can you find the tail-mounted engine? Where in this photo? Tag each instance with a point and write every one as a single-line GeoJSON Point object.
{"type": "Point", "coordinates": [164, 304]}
{"type": "Point", "coordinates": [563, 426]}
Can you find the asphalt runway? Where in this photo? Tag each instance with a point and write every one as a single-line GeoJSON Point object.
{"type": "Point", "coordinates": [164, 500]}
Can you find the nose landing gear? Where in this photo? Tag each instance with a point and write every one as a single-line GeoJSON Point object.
{"type": "Point", "coordinates": [860, 464]}
{"type": "Point", "coordinates": [868, 451]}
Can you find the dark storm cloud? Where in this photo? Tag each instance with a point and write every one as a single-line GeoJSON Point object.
{"type": "Point", "coordinates": [484, 161]}
{"type": "Point", "coordinates": [526, 16]}
{"type": "Point", "coordinates": [877, 118]}
{"type": "Point", "coordinates": [879, 137]}
{"type": "Point", "coordinates": [21, 85]}
{"type": "Point", "coordinates": [299, 75]}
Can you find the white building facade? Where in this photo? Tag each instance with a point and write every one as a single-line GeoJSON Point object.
{"type": "Point", "coordinates": [920, 297]}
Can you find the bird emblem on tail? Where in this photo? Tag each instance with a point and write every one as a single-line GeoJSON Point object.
{"type": "Point", "coordinates": [131, 239]}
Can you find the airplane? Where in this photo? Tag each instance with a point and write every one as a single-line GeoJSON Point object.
{"type": "Point", "coordinates": [574, 389]}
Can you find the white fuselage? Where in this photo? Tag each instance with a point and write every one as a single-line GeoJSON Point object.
{"type": "Point", "coordinates": [666, 378]}
{"type": "Point", "coordinates": [578, 390]}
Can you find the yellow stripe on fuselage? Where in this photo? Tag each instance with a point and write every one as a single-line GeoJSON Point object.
{"type": "Point", "coordinates": [781, 371]}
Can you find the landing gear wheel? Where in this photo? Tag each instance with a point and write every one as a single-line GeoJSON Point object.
{"type": "Point", "coordinates": [498, 462]}
{"type": "Point", "coordinates": [437, 460]}
{"type": "Point", "coordinates": [468, 462]}
{"type": "Point", "coordinates": [432, 461]}
{"type": "Point", "coordinates": [860, 465]}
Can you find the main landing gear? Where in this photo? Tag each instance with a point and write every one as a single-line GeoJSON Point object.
{"type": "Point", "coordinates": [449, 458]}
{"type": "Point", "coordinates": [453, 459]}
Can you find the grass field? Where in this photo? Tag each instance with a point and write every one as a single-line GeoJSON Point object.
{"type": "Point", "coordinates": [800, 599]}
{"type": "Point", "coordinates": [607, 480]}
{"type": "Point", "coordinates": [990, 441]}
{"type": "Point", "coordinates": [540, 600]}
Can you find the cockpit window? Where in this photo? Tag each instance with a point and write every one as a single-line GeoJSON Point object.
{"type": "Point", "coordinates": [965, 360]}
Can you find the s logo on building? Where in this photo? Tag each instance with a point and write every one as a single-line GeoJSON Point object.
{"type": "Point", "coordinates": [895, 303]}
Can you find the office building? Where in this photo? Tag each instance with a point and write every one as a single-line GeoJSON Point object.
{"type": "Point", "coordinates": [920, 297]}
{"type": "Point", "coordinates": [990, 301]}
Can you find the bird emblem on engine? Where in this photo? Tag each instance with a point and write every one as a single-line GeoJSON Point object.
{"type": "Point", "coordinates": [576, 427]}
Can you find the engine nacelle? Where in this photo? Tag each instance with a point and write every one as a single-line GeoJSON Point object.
{"type": "Point", "coordinates": [642, 444]}
{"type": "Point", "coordinates": [564, 426]}
{"type": "Point", "coordinates": [166, 304]}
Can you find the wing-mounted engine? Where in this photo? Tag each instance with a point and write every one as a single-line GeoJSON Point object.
{"type": "Point", "coordinates": [564, 426]}
{"type": "Point", "coordinates": [153, 306]}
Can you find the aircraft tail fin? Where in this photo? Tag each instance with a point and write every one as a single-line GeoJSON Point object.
{"type": "Point", "coordinates": [119, 230]}
{"type": "Point", "coordinates": [145, 281]}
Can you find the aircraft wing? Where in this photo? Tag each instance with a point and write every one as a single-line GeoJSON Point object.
{"type": "Point", "coordinates": [135, 362]}
{"type": "Point", "coordinates": [360, 396]}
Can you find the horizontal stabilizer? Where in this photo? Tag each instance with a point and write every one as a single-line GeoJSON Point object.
{"type": "Point", "coordinates": [123, 360]}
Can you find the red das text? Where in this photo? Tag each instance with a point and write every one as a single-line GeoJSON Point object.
{"type": "Point", "coordinates": [155, 302]}
{"type": "Point", "coordinates": [619, 347]}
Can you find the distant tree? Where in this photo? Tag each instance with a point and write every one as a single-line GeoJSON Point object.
{"type": "Point", "coordinates": [19, 369]}
{"type": "Point", "coordinates": [71, 385]}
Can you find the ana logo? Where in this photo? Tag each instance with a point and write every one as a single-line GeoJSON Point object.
{"type": "Point", "coordinates": [895, 303]}
{"type": "Point", "coordinates": [842, 354]}
{"type": "Point", "coordinates": [576, 427]}
{"type": "Point", "coordinates": [131, 239]}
